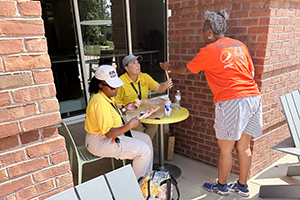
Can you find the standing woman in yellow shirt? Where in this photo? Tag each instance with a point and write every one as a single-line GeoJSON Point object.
{"type": "Point", "coordinates": [137, 86]}
{"type": "Point", "coordinates": [107, 135]}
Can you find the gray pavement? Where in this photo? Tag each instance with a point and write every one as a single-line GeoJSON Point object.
{"type": "Point", "coordinates": [195, 173]}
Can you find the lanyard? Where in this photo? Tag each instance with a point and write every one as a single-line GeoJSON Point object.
{"type": "Point", "coordinates": [139, 94]}
{"type": "Point", "coordinates": [116, 108]}
{"type": "Point", "coordinates": [128, 133]}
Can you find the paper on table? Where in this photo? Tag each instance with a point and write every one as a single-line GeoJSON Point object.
{"type": "Point", "coordinates": [157, 105]}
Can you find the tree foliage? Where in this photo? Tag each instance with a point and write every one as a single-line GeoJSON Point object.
{"type": "Point", "coordinates": [93, 10]}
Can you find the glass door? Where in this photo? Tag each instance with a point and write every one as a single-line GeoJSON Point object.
{"type": "Point", "coordinates": [83, 34]}
{"type": "Point", "coordinates": [63, 51]}
{"type": "Point", "coordinates": [108, 35]}
{"type": "Point", "coordinates": [103, 33]}
{"type": "Point", "coordinates": [148, 35]}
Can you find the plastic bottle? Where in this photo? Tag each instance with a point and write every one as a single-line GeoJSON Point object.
{"type": "Point", "coordinates": [177, 100]}
{"type": "Point", "coordinates": [168, 108]}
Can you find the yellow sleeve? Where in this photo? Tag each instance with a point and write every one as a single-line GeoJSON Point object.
{"type": "Point", "coordinates": [150, 82]}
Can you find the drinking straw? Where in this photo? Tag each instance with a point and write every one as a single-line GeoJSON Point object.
{"type": "Point", "coordinates": [167, 73]}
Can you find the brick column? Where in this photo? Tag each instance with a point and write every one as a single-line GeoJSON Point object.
{"type": "Point", "coordinates": [270, 29]}
{"type": "Point", "coordinates": [33, 157]}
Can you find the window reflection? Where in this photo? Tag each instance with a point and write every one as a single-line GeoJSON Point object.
{"type": "Point", "coordinates": [62, 49]}
{"type": "Point", "coordinates": [104, 31]}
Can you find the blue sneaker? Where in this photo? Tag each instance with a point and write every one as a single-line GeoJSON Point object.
{"type": "Point", "coordinates": [235, 187]}
{"type": "Point", "coordinates": [215, 187]}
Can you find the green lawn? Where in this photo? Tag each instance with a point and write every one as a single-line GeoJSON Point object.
{"type": "Point", "coordinates": [95, 49]}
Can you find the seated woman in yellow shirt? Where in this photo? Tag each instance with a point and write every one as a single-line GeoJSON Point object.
{"type": "Point", "coordinates": [105, 130]}
{"type": "Point", "coordinates": [136, 86]}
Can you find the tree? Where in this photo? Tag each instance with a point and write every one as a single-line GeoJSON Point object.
{"type": "Point", "coordinates": [93, 10]}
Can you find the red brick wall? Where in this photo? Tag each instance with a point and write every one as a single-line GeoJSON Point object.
{"type": "Point", "coordinates": [278, 71]}
{"type": "Point", "coordinates": [118, 18]}
{"type": "Point", "coordinates": [271, 31]}
{"type": "Point", "coordinates": [33, 157]}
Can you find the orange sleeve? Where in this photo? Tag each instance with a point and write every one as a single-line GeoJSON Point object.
{"type": "Point", "coordinates": [198, 63]}
{"type": "Point", "coordinates": [251, 67]}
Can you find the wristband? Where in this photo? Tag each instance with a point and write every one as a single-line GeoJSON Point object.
{"type": "Point", "coordinates": [123, 109]}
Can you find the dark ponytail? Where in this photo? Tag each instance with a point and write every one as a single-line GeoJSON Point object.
{"type": "Point", "coordinates": [94, 85]}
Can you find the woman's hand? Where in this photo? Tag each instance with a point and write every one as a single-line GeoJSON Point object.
{"type": "Point", "coordinates": [165, 65]}
{"type": "Point", "coordinates": [130, 106]}
{"type": "Point", "coordinates": [179, 69]}
{"type": "Point", "coordinates": [169, 83]}
{"type": "Point", "coordinates": [134, 122]}
{"type": "Point", "coordinates": [160, 88]}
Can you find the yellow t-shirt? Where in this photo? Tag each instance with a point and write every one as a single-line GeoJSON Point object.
{"type": "Point", "coordinates": [101, 116]}
{"type": "Point", "coordinates": [127, 94]}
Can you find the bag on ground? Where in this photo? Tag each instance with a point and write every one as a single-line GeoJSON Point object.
{"type": "Point", "coordinates": [158, 185]}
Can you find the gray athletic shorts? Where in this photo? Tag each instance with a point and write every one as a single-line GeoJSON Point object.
{"type": "Point", "coordinates": [238, 116]}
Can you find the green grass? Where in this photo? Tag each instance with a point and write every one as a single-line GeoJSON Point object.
{"type": "Point", "coordinates": [95, 49]}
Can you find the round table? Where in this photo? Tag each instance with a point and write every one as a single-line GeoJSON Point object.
{"type": "Point", "coordinates": [176, 116]}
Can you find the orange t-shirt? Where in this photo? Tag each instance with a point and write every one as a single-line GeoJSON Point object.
{"type": "Point", "coordinates": [228, 65]}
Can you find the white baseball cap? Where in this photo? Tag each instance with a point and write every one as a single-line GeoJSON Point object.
{"type": "Point", "coordinates": [108, 74]}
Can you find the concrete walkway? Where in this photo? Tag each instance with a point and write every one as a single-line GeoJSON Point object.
{"type": "Point", "coordinates": [195, 173]}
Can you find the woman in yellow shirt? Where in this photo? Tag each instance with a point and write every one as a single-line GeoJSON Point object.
{"type": "Point", "coordinates": [136, 86]}
{"type": "Point", "coordinates": [106, 132]}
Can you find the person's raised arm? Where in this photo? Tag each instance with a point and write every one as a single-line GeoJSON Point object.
{"type": "Point", "coordinates": [179, 69]}
{"type": "Point", "coordinates": [160, 88]}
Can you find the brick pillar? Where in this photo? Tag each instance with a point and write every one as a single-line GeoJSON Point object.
{"type": "Point", "coordinates": [270, 29]}
{"type": "Point", "coordinates": [33, 157]}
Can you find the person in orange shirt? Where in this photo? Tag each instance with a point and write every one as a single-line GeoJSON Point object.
{"type": "Point", "coordinates": [238, 110]}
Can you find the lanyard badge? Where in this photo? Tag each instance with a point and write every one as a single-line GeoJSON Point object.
{"type": "Point", "coordinates": [139, 94]}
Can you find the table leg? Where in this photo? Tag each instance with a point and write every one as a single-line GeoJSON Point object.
{"type": "Point", "coordinates": [161, 166]}
{"type": "Point", "coordinates": [161, 146]}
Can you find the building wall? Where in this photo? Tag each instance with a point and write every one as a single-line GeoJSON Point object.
{"type": "Point", "coordinates": [271, 31]}
{"type": "Point", "coordinates": [33, 157]}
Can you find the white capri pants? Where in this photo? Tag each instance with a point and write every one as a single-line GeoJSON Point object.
{"type": "Point", "coordinates": [138, 148]}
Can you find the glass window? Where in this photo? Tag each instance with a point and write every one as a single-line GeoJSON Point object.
{"type": "Point", "coordinates": [100, 36]}
{"type": "Point", "coordinates": [148, 39]}
{"type": "Point", "coordinates": [103, 33]}
{"type": "Point", "coordinates": [62, 49]}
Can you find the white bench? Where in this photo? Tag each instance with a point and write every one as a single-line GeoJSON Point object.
{"type": "Point", "coordinates": [119, 184]}
{"type": "Point", "coordinates": [291, 108]}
